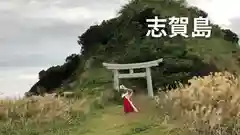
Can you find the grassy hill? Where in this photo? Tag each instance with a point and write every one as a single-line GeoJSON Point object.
{"type": "Point", "coordinates": [123, 40]}
{"type": "Point", "coordinates": [204, 106]}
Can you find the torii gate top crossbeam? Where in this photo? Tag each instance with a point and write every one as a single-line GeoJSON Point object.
{"type": "Point", "coordinates": [133, 65]}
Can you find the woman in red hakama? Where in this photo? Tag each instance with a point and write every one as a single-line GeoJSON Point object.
{"type": "Point", "coordinates": [127, 101]}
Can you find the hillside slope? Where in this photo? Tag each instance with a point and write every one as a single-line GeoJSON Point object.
{"type": "Point", "coordinates": [123, 40]}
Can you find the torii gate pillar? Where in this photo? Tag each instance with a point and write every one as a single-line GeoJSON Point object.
{"type": "Point", "coordinates": [147, 74]}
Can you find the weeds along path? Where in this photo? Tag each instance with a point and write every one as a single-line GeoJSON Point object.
{"type": "Point", "coordinates": [112, 120]}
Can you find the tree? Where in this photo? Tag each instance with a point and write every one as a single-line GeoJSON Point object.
{"type": "Point", "coordinates": [54, 76]}
{"type": "Point", "coordinates": [41, 74]}
{"type": "Point", "coordinates": [230, 36]}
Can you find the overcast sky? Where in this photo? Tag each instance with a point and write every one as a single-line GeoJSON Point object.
{"type": "Point", "coordinates": [36, 34]}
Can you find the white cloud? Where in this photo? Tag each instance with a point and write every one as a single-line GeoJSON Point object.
{"type": "Point", "coordinates": [28, 76]}
{"type": "Point", "coordinates": [73, 15]}
{"type": "Point", "coordinates": [43, 10]}
{"type": "Point", "coordinates": [220, 11]}
{"type": "Point", "coordinates": [7, 5]}
{"type": "Point", "coordinates": [15, 82]}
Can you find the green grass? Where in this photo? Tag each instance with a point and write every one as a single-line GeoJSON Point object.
{"type": "Point", "coordinates": [112, 121]}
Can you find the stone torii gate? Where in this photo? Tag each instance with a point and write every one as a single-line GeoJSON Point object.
{"type": "Point", "coordinates": [147, 65]}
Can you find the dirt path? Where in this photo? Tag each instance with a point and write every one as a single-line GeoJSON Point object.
{"type": "Point", "coordinates": [113, 121]}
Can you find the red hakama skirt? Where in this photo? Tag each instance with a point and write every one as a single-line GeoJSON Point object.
{"type": "Point", "coordinates": [127, 106]}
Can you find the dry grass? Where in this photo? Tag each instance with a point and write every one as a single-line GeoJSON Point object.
{"type": "Point", "coordinates": [210, 105]}
{"type": "Point", "coordinates": [41, 115]}
{"type": "Point", "coordinates": [47, 115]}
{"type": "Point", "coordinates": [39, 108]}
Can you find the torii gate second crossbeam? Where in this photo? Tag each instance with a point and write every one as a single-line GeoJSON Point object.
{"type": "Point", "coordinates": [147, 65]}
